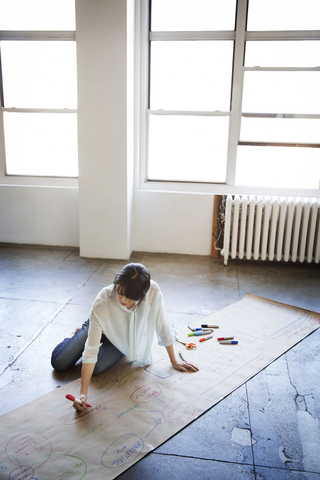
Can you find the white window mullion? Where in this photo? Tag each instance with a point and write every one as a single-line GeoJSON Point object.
{"type": "Point", "coordinates": [2, 147]}
{"type": "Point", "coordinates": [181, 36]}
{"type": "Point", "coordinates": [40, 110]}
{"type": "Point", "coordinates": [195, 113]}
{"type": "Point", "coordinates": [143, 76]}
{"type": "Point", "coordinates": [237, 88]}
{"type": "Point", "coordinates": [46, 35]}
{"type": "Point", "coordinates": [280, 35]}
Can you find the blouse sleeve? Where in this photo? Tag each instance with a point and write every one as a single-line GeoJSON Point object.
{"type": "Point", "coordinates": [92, 345]}
{"type": "Point", "coordinates": [164, 334]}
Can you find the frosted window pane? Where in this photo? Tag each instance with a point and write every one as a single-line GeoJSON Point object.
{"type": "Point", "coordinates": [39, 74]}
{"type": "Point", "coordinates": [41, 144]}
{"type": "Point", "coordinates": [184, 148]}
{"type": "Point", "coordinates": [191, 75]}
{"type": "Point", "coordinates": [282, 54]}
{"type": "Point", "coordinates": [284, 15]}
{"type": "Point", "coordinates": [193, 15]}
{"type": "Point", "coordinates": [285, 167]}
{"type": "Point", "coordinates": [281, 92]}
{"type": "Point", "coordinates": [37, 14]}
{"type": "Point", "coordinates": [292, 130]}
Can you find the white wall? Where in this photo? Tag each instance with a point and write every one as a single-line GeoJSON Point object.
{"type": "Point", "coordinates": [108, 216]}
{"type": "Point", "coordinates": [39, 215]}
{"type": "Point", "coordinates": [173, 223]}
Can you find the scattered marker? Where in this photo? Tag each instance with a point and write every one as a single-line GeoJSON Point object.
{"type": "Point", "coordinates": [182, 357]}
{"type": "Point", "coordinates": [224, 338]}
{"type": "Point", "coordinates": [200, 332]}
{"type": "Point", "coordinates": [203, 339]}
{"type": "Point", "coordinates": [229, 342]}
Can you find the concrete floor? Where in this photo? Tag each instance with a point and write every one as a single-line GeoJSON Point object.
{"type": "Point", "coordinates": [268, 428]}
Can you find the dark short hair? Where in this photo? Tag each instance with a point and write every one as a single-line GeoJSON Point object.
{"type": "Point", "coordinates": [132, 281]}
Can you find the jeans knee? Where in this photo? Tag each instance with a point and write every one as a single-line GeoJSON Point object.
{"type": "Point", "coordinates": [58, 360]}
{"type": "Point", "coordinates": [58, 366]}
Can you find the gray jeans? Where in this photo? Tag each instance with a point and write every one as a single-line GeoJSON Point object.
{"type": "Point", "coordinates": [69, 351]}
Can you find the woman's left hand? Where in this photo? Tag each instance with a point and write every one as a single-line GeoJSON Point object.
{"type": "Point", "coordinates": [184, 366]}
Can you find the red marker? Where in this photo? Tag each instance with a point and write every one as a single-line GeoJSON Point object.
{"type": "Point", "coordinates": [72, 398]}
{"type": "Point", "coordinates": [225, 338]}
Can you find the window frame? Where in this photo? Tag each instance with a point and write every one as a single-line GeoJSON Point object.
{"type": "Point", "coordinates": [8, 179]}
{"type": "Point", "coordinates": [240, 36]}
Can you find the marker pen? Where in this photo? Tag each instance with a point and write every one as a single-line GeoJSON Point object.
{"type": "Point", "coordinates": [225, 338]}
{"type": "Point", "coordinates": [204, 339]}
{"type": "Point", "coordinates": [204, 325]}
{"type": "Point", "coordinates": [182, 357]}
{"type": "Point", "coordinates": [200, 332]}
{"type": "Point", "coordinates": [72, 398]}
{"type": "Point", "coordinates": [229, 342]}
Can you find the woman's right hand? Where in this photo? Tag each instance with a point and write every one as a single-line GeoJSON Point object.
{"type": "Point", "coordinates": [80, 403]}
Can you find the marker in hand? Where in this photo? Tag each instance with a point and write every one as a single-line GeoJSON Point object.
{"type": "Point", "coordinates": [74, 399]}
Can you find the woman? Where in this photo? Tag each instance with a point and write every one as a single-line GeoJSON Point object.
{"type": "Point", "coordinates": [122, 321]}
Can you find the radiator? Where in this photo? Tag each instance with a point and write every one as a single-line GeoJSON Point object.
{"type": "Point", "coordinates": [271, 228]}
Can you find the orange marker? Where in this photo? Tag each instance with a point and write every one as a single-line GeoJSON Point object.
{"type": "Point", "coordinates": [205, 338]}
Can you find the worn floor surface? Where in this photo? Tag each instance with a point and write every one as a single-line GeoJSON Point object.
{"type": "Point", "coordinates": [268, 428]}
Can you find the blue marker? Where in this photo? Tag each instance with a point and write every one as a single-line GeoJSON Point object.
{"type": "Point", "coordinates": [200, 332]}
{"type": "Point", "coordinates": [229, 342]}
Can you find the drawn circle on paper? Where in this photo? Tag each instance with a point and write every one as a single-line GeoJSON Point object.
{"type": "Point", "coordinates": [145, 394]}
{"type": "Point", "coordinates": [126, 382]}
{"type": "Point", "coordinates": [76, 417]}
{"type": "Point", "coordinates": [28, 447]}
{"type": "Point", "coordinates": [24, 472]}
{"type": "Point", "coordinates": [62, 465]}
{"type": "Point", "coordinates": [124, 450]}
{"type": "Point", "coordinates": [99, 384]}
{"type": "Point", "coordinates": [178, 411]}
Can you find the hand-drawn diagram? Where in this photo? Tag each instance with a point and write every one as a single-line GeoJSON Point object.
{"type": "Point", "coordinates": [133, 410]}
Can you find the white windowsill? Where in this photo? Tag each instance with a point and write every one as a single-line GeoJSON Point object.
{"type": "Point", "coordinates": [223, 189]}
{"type": "Point", "coordinates": [15, 180]}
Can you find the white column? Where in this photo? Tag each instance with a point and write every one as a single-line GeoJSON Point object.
{"type": "Point", "coordinates": [104, 179]}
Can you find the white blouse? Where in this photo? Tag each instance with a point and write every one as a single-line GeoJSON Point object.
{"type": "Point", "coordinates": [131, 331]}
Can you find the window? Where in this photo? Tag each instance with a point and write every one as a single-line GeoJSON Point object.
{"type": "Point", "coordinates": [38, 87]}
{"type": "Point", "coordinates": [233, 93]}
